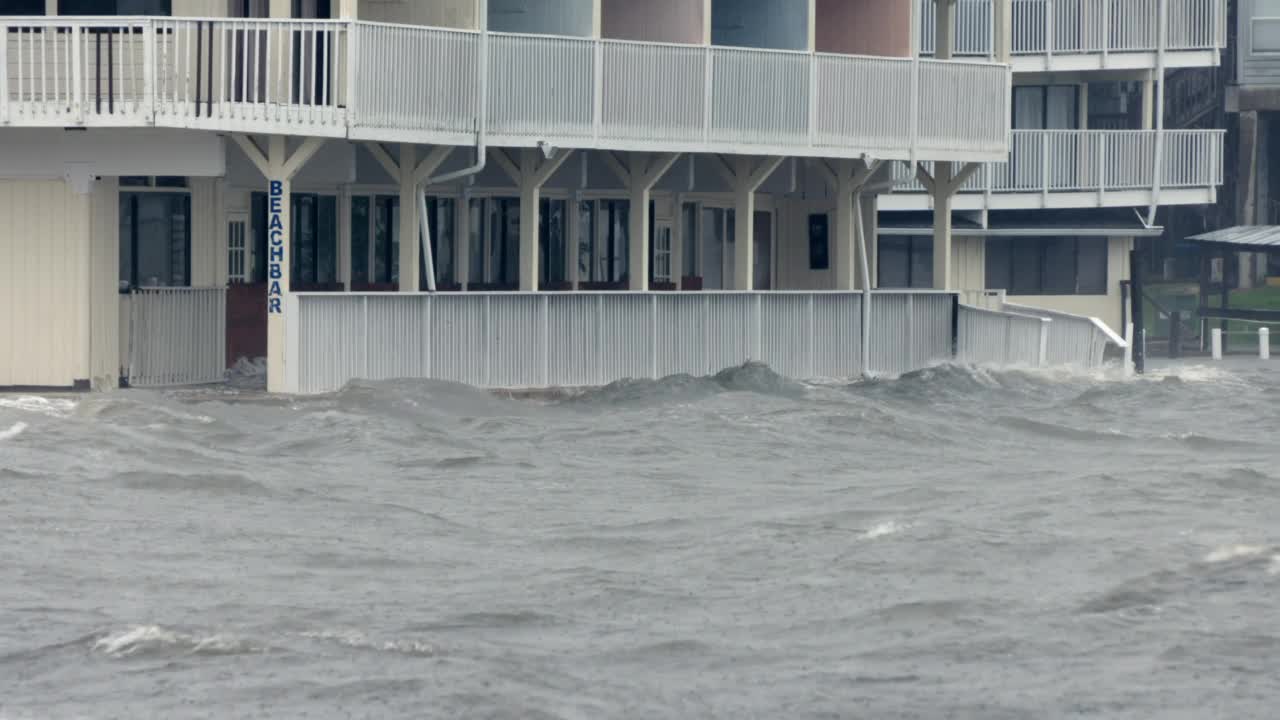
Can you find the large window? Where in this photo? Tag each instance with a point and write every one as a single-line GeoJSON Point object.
{"type": "Point", "coordinates": [1047, 265]}
{"type": "Point", "coordinates": [604, 246]}
{"type": "Point", "coordinates": [115, 7]}
{"type": "Point", "coordinates": [552, 252]}
{"type": "Point", "coordinates": [21, 7]}
{"type": "Point", "coordinates": [905, 261]}
{"type": "Point", "coordinates": [1046, 107]}
{"type": "Point", "coordinates": [314, 243]}
{"type": "Point", "coordinates": [442, 224]}
{"type": "Point", "coordinates": [155, 239]}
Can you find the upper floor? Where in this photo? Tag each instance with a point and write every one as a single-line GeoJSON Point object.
{"type": "Point", "coordinates": [828, 78]}
{"type": "Point", "coordinates": [1257, 43]}
{"type": "Point", "coordinates": [1084, 35]}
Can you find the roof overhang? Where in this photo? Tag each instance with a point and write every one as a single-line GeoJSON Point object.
{"type": "Point", "coordinates": [1039, 223]}
{"type": "Point", "coordinates": [1249, 238]}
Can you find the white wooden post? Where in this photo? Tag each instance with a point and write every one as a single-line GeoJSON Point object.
{"type": "Point", "coordinates": [1264, 343]}
{"type": "Point", "coordinates": [1216, 334]}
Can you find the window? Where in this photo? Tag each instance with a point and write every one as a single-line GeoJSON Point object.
{"type": "Point", "coordinates": [115, 7]}
{"type": "Point", "coordinates": [21, 7]}
{"type": "Point", "coordinates": [386, 239]}
{"type": "Point", "coordinates": [690, 240]}
{"type": "Point", "coordinates": [819, 242]}
{"type": "Point", "coordinates": [313, 247]}
{"type": "Point", "coordinates": [440, 222]}
{"type": "Point", "coordinates": [551, 243]}
{"type": "Point", "coordinates": [662, 255]}
{"type": "Point", "coordinates": [360, 241]}
{"type": "Point", "coordinates": [1047, 266]}
{"type": "Point", "coordinates": [155, 239]}
{"type": "Point", "coordinates": [1046, 107]}
{"type": "Point", "coordinates": [905, 261]}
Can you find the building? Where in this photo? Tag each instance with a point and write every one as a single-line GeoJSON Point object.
{"type": "Point", "coordinates": [190, 181]}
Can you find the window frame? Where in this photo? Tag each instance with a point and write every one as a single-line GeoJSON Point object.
{"type": "Point", "coordinates": [133, 194]}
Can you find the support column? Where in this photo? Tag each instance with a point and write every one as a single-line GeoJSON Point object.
{"type": "Point", "coordinates": [942, 187]}
{"type": "Point", "coordinates": [530, 174]}
{"type": "Point", "coordinates": [845, 177]}
{"type": "Point", "coordinates": [1002, 32]}
{"type": "Point", "coordinates": [945, 39]}
{"type": "Point", "coordinates": [639, 173]}
{"type": "Point", "coordinates": [745, 175]}
{"type": "Point", "coordinates": [1247, 171]}
{"type": "Point", "coordinates": [409, 173]}
{"type": "Point", "coordinates": [279, 167]}
{"type": "Point", "coordinates": [347, 9]}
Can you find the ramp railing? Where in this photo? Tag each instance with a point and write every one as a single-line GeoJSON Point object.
{"type": "Point", "coordinates": [998, 337]}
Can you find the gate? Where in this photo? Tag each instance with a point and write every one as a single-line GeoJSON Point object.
{"type": "Point", "coordinates": [177, 336]}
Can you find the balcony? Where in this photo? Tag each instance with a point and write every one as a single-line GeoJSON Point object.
{"type": "Point", "coordinates": [1081, 35]}
{"type": "Point", "coordinates": [401, 83]}
{"type": "Point", "coordinates": [1085, 168]}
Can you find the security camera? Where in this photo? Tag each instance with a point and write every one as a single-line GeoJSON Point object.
{"type": "Point", "coordinates": [548, 150]}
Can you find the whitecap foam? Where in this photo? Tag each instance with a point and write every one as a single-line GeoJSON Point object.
{"type": "Point", "coordinates": [44, 406]}
{"type": "Point", "coordinates": [149, 639]}
{"type": "Point", "coordinates": [879, 530]}
{"type": "Point", "coordinates": [1233, 552]}
{"type": "Point", "coordinates": [359, 641]}
{"type": "Point", "coordinates": [13, 432]}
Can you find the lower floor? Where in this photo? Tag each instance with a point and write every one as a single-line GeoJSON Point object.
{"type": "Point", "coordinates": [80, 241]}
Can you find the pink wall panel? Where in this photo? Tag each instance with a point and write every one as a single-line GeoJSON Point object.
{"type": "Point", "coordinates": [676, 21]}
{"type": "Point", "coordinates": [864, 27]}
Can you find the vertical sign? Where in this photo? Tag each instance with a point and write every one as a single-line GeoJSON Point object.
{"type": "Point", "coordinates": [275, 251]}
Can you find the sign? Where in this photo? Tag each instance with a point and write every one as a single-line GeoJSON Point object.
{"type": "Point", "coordinates": [275, 247]}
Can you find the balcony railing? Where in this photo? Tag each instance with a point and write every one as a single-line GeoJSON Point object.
{"type": "Point", "coordinates": [1050, 27]}
{"type": "Point", "coordinates": [372, 81]}
{"type": "Point", "coordinates": [1047, 161]}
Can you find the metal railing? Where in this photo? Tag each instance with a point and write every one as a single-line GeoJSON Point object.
{"type": "Point", "coordinates": [1074, 340]}
{"type": "Point", "coordinates": [177, 336]}
{"type": "Point", "coordinates": [1044, 161]}
{"type": "Point", "coordinates": [374, 81]}
{"type": "Point", "coordinates": [997, 337]}
{"type": "Point", "coordinates": [524, 340]}
{"type": "Point", "coordinates": [1049, 27]}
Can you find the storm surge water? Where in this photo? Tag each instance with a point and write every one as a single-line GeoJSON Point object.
{"type": "Point", "coordinates": [956, 542]}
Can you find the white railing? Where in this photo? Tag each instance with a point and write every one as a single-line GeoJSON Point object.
{"type": "Point", "coordinates": [996, 337]}
{"type": "Point", "coordinates": [177, 336]}
{"type": "Point", "coordinates": [1074, 340]}
{"type": "Point", "coordinates": [1049, 27]}
{"type": "Point", "coordinates": [1045, 161]}
{"type": "Point", "coordinates": [373, 81]}
{"type": "Point", "coordinates": [518, 340]}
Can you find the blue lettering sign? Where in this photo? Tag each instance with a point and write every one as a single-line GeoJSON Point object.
{"type": "Point", "coordinates": [275, 266]}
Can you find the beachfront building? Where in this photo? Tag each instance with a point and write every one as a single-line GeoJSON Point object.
{"type": "Point", "coordinates": [1090, 159]}
{"type": "Point", "coordinates": [550, 192]}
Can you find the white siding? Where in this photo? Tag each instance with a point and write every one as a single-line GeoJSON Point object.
{"type": "Point", "coordinates": [44, 281]}
{"type": "Point", "coordinates": [437, 13]}
{"type": "Point", "coordinates": [968, 263]}
{"type": "Point", "coordinates": [208, 233]}
{"type": "Point", "coordinates": [201, 8]}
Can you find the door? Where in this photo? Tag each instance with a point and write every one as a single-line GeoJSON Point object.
{"type": "Point", "coordinates": [312, 62]}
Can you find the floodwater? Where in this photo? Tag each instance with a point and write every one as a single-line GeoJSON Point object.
{"type": "Point", "coordinates": [953, 543]}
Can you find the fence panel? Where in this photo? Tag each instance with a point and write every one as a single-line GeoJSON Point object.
{"type": "Point", "coordinates": [992, 337]}
{"type": "Point", "coordinates": [653, 91]}
{"type": "Point", "coordinates": [760, 96]}
{"type": "Point", "coordinates": [177, 336]}
{"type": "Point", "coordinates": [417, 77]}
{"type": "Point", "coordinates": [542, 86]}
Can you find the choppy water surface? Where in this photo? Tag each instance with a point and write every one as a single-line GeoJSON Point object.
{"type": "Point", "coordinates": [954, 543]}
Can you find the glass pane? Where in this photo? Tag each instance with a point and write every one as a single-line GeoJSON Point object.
{"type": "Point", "coordinates": [1091, 277]}
{"type": "Point", "coordinates": [327, 240]}
{"type": "Point", "coordinates": [1063, 113]}
{"type": "Point", "coordinates": [258, 218]}
{"type": "Point", "coordinates": [690, 240]}
{"type": "Point", "coordinates": [161, 241]}
{"type": "Point", "coordinates": [712, 241]}
{"type": "Point", "coordinates": [998, 264]}
{"type": "Point", "coordinates": [126, 240]}
{"type": "Point", "coordinates": [511, 243]}
{"type": "Point", "coordinates": [1028, 108]}
{"type": "Point", "coordinates": [586, 240]}
{"type": "Point", "coordinates": [393, 222]}
{"type": "Point", "coordinates": [554, 226]}
{"type": "Point", "coordinates": [359, 241]}
{"type": "Point", "coordinates": [1027, 264]}
{"type": "Point", "coordinates": [1060, 266]}
{"type": "Point", "coordinates": [895, 261]}
{"type": "Point", "coordinates": [304, 239]}
{"type": "Point", "coordinates": [921, 262]}
{"type": "Point", "coordinates": [475, 244]}
{"type": "Point", "coordinates": [21, 7]}
{"type": "Point", "coordinates": [444, 235]}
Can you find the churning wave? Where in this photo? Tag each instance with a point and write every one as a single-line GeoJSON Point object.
{"type": "Point", "coordinates": [155, 640]}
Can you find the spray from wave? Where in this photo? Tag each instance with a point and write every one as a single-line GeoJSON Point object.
{"type": "Point", "coordinates": [13, 432]}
